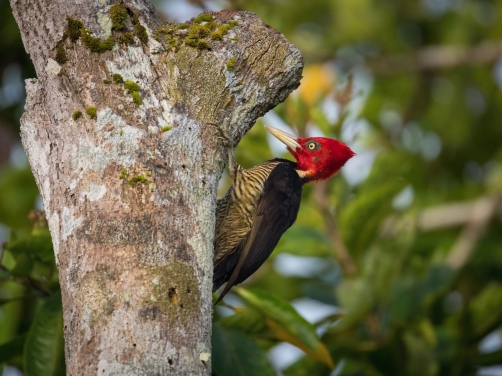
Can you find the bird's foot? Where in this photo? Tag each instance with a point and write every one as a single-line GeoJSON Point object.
{"type": "Point", "coordinates": [222, 135]}
{"type": "Point", "coordinates": [227, 141]}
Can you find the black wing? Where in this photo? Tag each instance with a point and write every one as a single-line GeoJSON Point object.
{"type": "Point", "coordinates": [275, 213]}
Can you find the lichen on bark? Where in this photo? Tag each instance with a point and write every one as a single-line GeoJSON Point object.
{"type": "Point", "coordinates": [174, 292]}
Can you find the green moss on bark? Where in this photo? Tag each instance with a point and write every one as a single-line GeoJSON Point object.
{"type": "Point", "coordinates": [136, 98]}
{"type": "Point", "coordinates": [175, 291]}
{"type": "Point", "coordinates": [117, 78]}
{"type": "Point", "coordinates": [92, 112]}
{"type": "Point", "coordinates": [96, 44]}
{"type": "Point", "coordinates": [203, 17]}
{"type": "Point", "coordinates": [61, 57]}
{"type": "Point", "coordinates": [192, 42]}
{"type": "Point", "coordinates": [141, 33]}
{"type": "Point", "coordinates": [131, 86]}
{"type": "Point", "coordinates": [216, 36]}
{"type": "Point", "coordinates": [133, 89]}
{"type": "Point", "coordinates": [127, 38]}
{"type": "Point", "coordinates": [203, 45]}
{"type": "Point", "coordinates": [140, 30]}
{"type": "Point", "coordinates": [198, 31]}
{"type": "Point", "coordinates": [210, 71]}
{"type": "Point", "coordinates": [203, 30]}
{"type": "Point", "coordinates": [77, 115]}
{"type": "Point", "coordinates": [75, 28]}
{"type": "Point", "coordinates": [231, 63]}
{"type": "Point", "coordinates": [119, 16]}
{"type": "Point", "coordinates": [138, 179]}
{"type": "Point", "coordinates": [223, 29]}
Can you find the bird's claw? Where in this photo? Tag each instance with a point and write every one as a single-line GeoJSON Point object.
{"type": "Point", "coordinates": [222, 136]}
{"type": "Point", "coordinates": [232, 168]}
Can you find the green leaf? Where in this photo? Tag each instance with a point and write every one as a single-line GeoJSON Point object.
{"type": "Point", "coordinates": [248, 321]}
{"type": "Point", "coordinates": [486, 311]}
{"type": "Point", "coordinates": [321, 354]}
{"type": "Point", "coordinates": [24, 264]}
{"type": "Point", "coordinates": [421, 359]}
{"type": "Point", "coordinates": [39, 243]}
{"type": "Point", "coordinates": [361, 218]}
{"type": "Point", "coordinates": [283, 313]}
{"type": "Point", "coordinates": [9, 300]}
{"type": "Point", "coordinates": [12, 348]}
{"type": "Point", "coordinates": [389, 166]}
{"type": "Point", "coordinates": [304, 241]}
{"type": "Point", "coordinates": [307, 366]}
{"type": "Point", "coordinates": [4, 274]}
{"type": "Point", "coordinates": [320, 119]}
{"type": "Point", "coordinates": [409, 296]}
{"type": "Point", "coordinates": [357, 297]}
{"type": "Point", "coordinates": [235, 354]}
{"type": "Point", "coordinates": [43, 351]}
{"type": "Point", "coordinates": [321, 290]}
{"type": "Point", "coordinates": [489, 359]}
{"type": "Point", "coordinates": [19, 193]}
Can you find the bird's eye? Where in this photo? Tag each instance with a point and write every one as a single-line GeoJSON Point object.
{"type": "Point", "coordinates": [312, 145]}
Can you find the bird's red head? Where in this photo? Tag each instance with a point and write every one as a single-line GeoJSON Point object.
{"type": "Point", "coordinates": [318, 158]}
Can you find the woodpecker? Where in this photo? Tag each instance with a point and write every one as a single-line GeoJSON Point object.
{"type": "Point", "coordinates": [263, 203]}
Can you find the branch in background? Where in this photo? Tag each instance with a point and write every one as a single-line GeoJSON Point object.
{"type": "Point", "coordinates": [436, 57]}
{"type": "Point", "coordinates": [444, 216]}
{"type": "Point", "coordinates": [481, 215]}
{"type": "Point", "coordinates": [342, 254]}
{"type": "Point", "coordinates": [237, 5]}
{"type": "Point", "coordinates": [475, 215]}
{"type": "Point", "coordinates": [17, 298]}
{"type": "Point", "coordinates": [30, 282]}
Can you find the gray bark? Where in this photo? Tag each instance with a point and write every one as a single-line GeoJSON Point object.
{"type": "Point", "coordinates": [135, 260]}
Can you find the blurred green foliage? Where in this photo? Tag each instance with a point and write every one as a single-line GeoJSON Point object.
{"type": "Point", "coordinates": [31, 324]}
{"type": "Point", "coordinates": [395, 245]}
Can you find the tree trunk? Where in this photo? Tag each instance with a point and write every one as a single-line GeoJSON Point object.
{"type": "Point", "coordinates": [130, 193]}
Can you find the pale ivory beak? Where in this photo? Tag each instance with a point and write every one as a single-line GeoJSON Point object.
{"type": "Point", "coordinates": [284, 137]}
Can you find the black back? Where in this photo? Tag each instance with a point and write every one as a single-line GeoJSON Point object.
{"type": "Point", "coordinates": [276, 211]}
